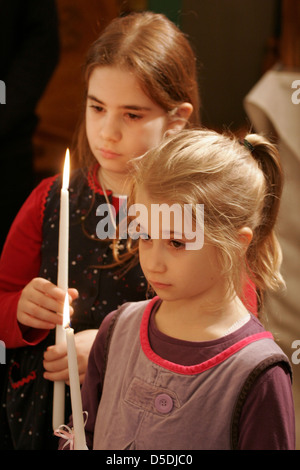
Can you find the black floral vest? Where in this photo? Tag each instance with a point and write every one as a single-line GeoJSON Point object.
{"type": "Point", "coordinates": [26, 411]}
{"type": "Point", "coordinates": [100, 290]}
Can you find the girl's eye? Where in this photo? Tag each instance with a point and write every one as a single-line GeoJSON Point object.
{"type": "Point", "coordinates": [97, 109]}
{"type": "Point", "coordinates": [177, 244]}
{"type": "Point", "coordinates": [134, 117]}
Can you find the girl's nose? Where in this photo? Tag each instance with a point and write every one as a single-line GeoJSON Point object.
{"type": "Point", "coordinates": [110, 128]}
{"type": "Point", "coordinates": [156, 260]}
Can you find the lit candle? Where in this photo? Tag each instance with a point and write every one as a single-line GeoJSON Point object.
{"type": "Point", "coordinates": [77, 413]}
{"type": "Point", "coordinates": [63, 242]}
{"type": "Point", "coordinates": [58, 417]}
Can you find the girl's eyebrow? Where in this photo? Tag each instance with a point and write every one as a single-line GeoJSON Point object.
{"type": "Point", "coordinates": [132, 107]}
{"type": "Point", "coordinates": [174, 235]}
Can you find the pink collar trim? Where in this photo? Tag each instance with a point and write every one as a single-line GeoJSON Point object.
{"type": "Point", "coordinates": [197, 368]}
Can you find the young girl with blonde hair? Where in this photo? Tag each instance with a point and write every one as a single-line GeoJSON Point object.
{"type": "Point", "coordinates": [140, 78]}
{"type": "Point", "coordinates": [192, 368]}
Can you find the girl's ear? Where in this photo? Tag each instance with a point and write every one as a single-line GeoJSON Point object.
{"type": "Point", "coordinates": [179, 117]}
{"type": "Point", "coordinates": [245, 235]}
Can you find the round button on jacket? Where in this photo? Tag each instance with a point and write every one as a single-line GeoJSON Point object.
{"type": "Point", "coordinates": [163, 403]}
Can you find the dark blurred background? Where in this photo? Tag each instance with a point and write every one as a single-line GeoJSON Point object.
{"type": "Point", "coordinates": [235, 42]}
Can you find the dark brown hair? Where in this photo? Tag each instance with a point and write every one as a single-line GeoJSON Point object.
{"type": "Point", "coordinates": [160, 56]}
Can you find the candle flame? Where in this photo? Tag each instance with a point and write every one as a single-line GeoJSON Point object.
{"type": "Point", "coordinates": [66, 313]}
{"type": "Point", "coordinates": [66, 174]}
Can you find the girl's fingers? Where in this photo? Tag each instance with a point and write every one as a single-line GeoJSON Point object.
{"type": "Point", "coordinates": [48, 288]}
{"type": "Point", "coordinates": [34, 315]}
{"type": "Point", "coordinates": [37, 312]}
{"type": "Point", "coordinates": [41, 304]}
{"type": "Point", "coordinates": [55, 352]}
{"type": "Point", "coordinates": [57, 375]}
{"type": "Point", "coordinates": [56, 363]}
{"type": "Point", "coordinates": [73, 293]}
{"type": "Point", "coordinates": [32, 322]}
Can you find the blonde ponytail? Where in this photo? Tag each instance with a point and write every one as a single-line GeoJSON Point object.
{"type": "Point", "coordinates": [264, 255]}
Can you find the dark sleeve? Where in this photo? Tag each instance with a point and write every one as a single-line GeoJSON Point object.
{"type": "Point", "coordinates": [268, 420]}
{"type": "Point", "coordinates": [91, 389]}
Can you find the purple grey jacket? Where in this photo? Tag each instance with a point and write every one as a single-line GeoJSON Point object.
{"type": "Point", "coordinates": [150, 403]}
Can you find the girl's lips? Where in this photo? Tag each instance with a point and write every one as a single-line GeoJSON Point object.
{"type": "Point", "coordinates": [109, 154]}
{"type": "Point", "coordinates": [159, 285]}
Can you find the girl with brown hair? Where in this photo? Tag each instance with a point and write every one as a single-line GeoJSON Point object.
{"type": "Point", "coordinates": [140, 84]}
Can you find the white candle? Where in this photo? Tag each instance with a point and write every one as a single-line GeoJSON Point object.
{"type": "Point", "coordinates": [63, 242]}
{"type": "Point", "coordinates": [58, 417]}
{"type": "Point", "coordinates": [77, 413]}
